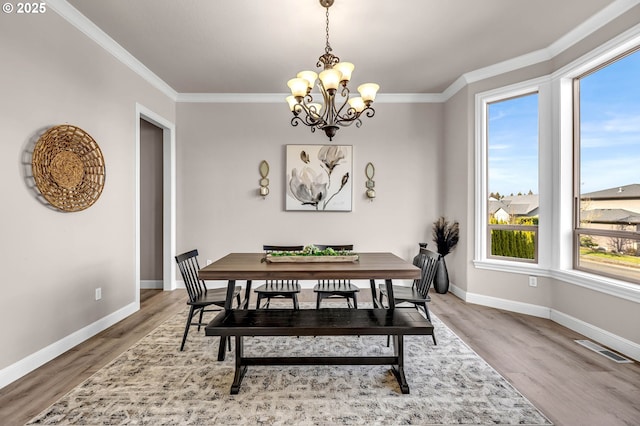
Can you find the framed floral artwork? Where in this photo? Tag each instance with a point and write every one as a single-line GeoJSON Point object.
{"type": "Point", "coordinates": [319, 177]}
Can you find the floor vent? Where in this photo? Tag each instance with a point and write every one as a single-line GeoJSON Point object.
{"type": "Point", "coordinates": [604, 351]}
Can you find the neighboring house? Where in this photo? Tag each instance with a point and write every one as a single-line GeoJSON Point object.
{"type": "Point", "coordinates": [614, 208]}
{"type": "Point", "coordinates": [621, 197]}
{"type": "Point", "coordinates": [509, 208]}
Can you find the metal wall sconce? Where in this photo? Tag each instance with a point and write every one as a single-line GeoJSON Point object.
{"type": "Point", "coordinates": [370, 171]}
{"type": "Point", "coordinates": [264, 182]}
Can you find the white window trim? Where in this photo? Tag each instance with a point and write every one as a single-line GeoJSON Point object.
{"type": "Point", "coordinates": [481, 258]}
{"type": "Point", "coordinates": [555, 155]}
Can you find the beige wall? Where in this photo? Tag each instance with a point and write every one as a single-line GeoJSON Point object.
{"type": "Point", "coordinates": [220, 148]}
{"type": "Point", "coordinates": [457, 177]}
{"type": "Point", "coordinates": [53, 261]}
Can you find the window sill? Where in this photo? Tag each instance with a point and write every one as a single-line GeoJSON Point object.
{"type": "Point", "coordinates": [512, 267]}
{"type": "Point", "coordinates": [610, 286]}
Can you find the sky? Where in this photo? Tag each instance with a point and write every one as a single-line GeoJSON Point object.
{"type": "Point", "coordinates": [513, 145]}
{"type": "Point", "coordinates": [610, 133]}
{"type": "Point", "coordinates": [610, 126]}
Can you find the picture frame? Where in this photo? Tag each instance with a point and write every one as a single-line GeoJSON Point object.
{"type": "Point", "coordinates": [319, 178]}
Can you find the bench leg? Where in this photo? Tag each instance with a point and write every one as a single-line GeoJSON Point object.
{"type": "Point", "coordinates": [240, 368]}
{"type": "Point", "coordinates": [398, 369]}
{"type": "Point", "coordinates": [294, 298]}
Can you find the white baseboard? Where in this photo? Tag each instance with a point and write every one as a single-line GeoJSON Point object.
{"type": "Point", "coordinates": [28, 364]}
{"type": "Point", "coordinates": [152, 284]}
{"type": "Point", "coordinates": [604, 337]}
{"type": "Point", "coordinates": [506, 304]}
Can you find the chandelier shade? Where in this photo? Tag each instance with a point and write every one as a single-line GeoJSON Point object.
{"type": "Point", "coordinates": [338, 108]}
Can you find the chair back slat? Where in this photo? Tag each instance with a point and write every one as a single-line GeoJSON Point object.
{"type": "Point", "coordinates": [334, 283]}
{"type": "Point", "coordinates": [189, 267]}
{"type": "Point", "coordinates": [287, 284]}
{"type": "Point", "coordinates": [428, 272]}
{"type": "Point", "coordinates": [281, 284]}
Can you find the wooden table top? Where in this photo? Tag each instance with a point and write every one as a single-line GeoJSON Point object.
{"type": "Point", "coordinates": [249, 266]}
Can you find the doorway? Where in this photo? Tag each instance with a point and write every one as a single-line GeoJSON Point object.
{"type": "Point", "coordinates": [149, 125]}
{"type": "Point", "coordinates": [151, 194]}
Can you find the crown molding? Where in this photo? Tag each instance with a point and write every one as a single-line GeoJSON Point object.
{"type": "Point", "coordinates": [597, 21]}
{"type": "Point", "coordinates": [279, 98]}
{"type": "Point", "coordinates": [583, 30]}
{"type": "Point", "coordinates": [591, 25]}
{"type": "Point", "coordinates": [91, 30]}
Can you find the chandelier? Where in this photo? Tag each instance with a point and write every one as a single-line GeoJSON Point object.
{"type": "Point", "coordinates": [327, 116]}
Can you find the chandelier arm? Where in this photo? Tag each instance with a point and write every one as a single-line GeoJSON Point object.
{"type": "Point", "coordinates": [369, 112]}
{"type": "Point", "coordinates": [297, 120]}
{"type": "Point", "coordinates": [305, 115]}
{"type": "Point", "coordinates": [329, 106]}
{"type": "Point", "coordinates": [347, 123]}
{"type": "Point", "coordinates": [349, 113]}
{"type": "Point", "coordinates": [312, 115]}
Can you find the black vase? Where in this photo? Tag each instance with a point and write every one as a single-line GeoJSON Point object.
{"type": "Point", "coordinates": [417, 260]}
{"type": "Point", "coordinates": [441, 280]}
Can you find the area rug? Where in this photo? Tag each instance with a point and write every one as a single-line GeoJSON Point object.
{"type": "Point", "coordinates": [153, 383]}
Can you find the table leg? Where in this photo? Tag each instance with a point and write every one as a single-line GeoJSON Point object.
{"type": "Point", "coordinates": [247, 295]}
{"type": "Point", "coordinates": [222, 348]}
{"type": "Point", "coordinates": [392, 301]}
{"type": "Point", "coordinates": [376, 304]}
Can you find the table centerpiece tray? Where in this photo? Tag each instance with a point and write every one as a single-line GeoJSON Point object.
{"type": "Point", "coordinates": [311, 259]}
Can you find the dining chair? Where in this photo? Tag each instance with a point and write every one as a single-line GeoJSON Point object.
{"type": "Point", "coordinates": [278, 289]}
{"type": "Point", "coordinates": [201, 298]}
{"type": "Point", "coordinates": [331, 289]}
{"type": "Point", "coordinates": [418, 293]}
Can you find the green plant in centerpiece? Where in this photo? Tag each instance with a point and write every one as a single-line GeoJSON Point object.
{"type": "Point", "coordinates": [311, 250]}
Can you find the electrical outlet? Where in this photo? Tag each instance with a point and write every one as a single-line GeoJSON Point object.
{"type": "Point", "coordinates": [98, 293]}
{"type": "Point", "coordinates": [533, 281]}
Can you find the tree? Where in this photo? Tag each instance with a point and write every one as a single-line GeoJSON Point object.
{"type": "Point", "coordinates": [619, 244]}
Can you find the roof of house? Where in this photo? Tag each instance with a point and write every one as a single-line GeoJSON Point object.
{"type": "Point", "coordinates": [619, 192]}
{"type": "Point", "coordinates": [620, 216]}
{"type": "Point", "coordinates": [517, 205]}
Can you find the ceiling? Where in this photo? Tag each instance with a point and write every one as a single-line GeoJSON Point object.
{"type": "Point", "coordinates": [406, 46]}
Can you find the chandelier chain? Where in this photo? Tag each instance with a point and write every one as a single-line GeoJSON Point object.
{"type": "Point", "coordinates": [327, 49]}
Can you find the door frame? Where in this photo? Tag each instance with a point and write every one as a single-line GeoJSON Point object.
{"type": "Point", "coordinates": [169, 198]}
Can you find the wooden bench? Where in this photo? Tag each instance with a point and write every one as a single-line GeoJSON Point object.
{"type": "Point", "coordinates": [322, 322]}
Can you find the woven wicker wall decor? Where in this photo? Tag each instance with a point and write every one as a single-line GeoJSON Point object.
{"type": "Point", "coordinates": [68, 168]}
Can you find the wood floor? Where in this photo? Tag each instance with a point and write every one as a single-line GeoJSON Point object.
{"type": "Point", "coordinates": [570, 384]}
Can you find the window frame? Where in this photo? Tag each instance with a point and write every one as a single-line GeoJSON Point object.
{"type": "Point", "coordinates": [578, 231]}
{"type": "Point", "coordinates": [483, 258]}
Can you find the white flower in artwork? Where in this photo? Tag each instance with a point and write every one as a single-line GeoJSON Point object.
{"type": "Point", "coordinates": [331, 156]}
{"type": "Point", "coordinates": [307, 186]}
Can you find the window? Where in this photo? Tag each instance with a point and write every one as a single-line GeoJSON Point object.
{"type": "Point", "coordinates": [512, 178]}
{"type": "Point", "coordinates": [607, 173]}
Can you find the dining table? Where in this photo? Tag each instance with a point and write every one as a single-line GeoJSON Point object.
{"type": "Point", "coordinates": [248, 267]}
{"type": "Point", "coordinates": [243, 322]}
